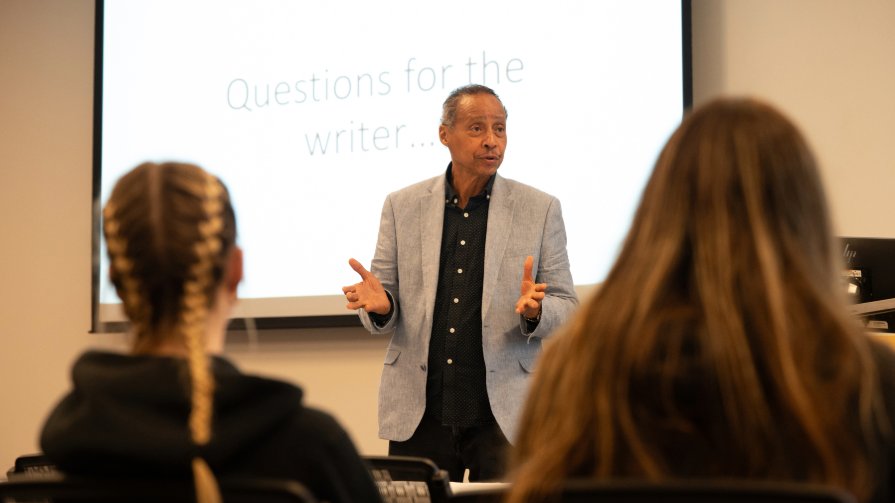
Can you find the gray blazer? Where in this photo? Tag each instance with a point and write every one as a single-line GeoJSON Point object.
{"type": "Point", "coordinates": [522, 221]}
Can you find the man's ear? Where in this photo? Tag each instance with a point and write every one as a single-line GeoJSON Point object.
{"type": "Point", "coordinates": [442, 134]}
{"type": "Point", "coordinates": [234, 270]}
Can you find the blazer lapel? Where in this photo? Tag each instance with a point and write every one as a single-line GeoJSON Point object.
{"type": "Point", "coordinates": [500, 220]}
{"type": "Point", "coordinates": [431, 221]}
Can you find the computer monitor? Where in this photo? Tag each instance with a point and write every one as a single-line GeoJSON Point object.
{"type": "Point", "coordinates": [870, 279]}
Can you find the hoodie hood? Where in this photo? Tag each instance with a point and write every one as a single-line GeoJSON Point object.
{"type": "Point", "coordinates": [129, 413]}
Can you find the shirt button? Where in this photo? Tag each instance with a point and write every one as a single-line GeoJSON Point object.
{"type": "Point", "coordinates": [452, 330]}
{"type": "Point", "coordinates": [462, 242]}
{"type": "Point", "coordinates": [456, 300]}
{"type": "Point", "coordinates": [459, 271]}
{"type": "Point", "coordinates": [466, 215]}
{"type": "Point", "coordinates": [450, 361]}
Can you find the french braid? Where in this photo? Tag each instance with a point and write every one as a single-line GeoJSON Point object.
{"type": "Point", "coordinates": [196, 293]}
{"type": "Point", "coordinates": [135, 308]}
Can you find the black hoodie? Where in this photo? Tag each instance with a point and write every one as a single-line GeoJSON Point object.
{"type": "Point", "coordinates": [127, 415]}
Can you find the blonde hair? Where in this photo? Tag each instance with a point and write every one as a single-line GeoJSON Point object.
{"type": "Point", "coordinates": [169, 229]}
{"type": "Point", "coordinates": [719, 340]}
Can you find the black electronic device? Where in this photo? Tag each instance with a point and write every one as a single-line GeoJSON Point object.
{"type": "Point", "coordinates": [31, 465]}
{"type": "Point", "coordinates": [869, 279]}
{"type": "Point", "coordinates": [409, 479]}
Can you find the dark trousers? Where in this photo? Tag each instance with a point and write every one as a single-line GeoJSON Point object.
{"type": "Point", "coordinates": [482, 449]}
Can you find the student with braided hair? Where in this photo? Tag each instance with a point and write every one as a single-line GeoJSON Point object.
{"type": "Point", "coordinates": [173, 406]}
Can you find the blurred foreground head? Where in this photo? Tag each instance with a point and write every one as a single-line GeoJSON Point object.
{"type": "Point", "coordinates": [169, 230]}
{"type": "Point", "coordinates": [170, 233]}
{"type": "Point", "coordinates": [720, 338]}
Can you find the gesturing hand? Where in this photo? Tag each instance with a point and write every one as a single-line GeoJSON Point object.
{"type": "Point", "coordinates": [368, 294]}
{"type": "Point", "coordinates": [529, 303]}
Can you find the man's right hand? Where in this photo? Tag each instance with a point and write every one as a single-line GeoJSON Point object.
{"type": "Point", "coordinates": [368, 294]}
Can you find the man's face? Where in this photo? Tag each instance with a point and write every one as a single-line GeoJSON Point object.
{"type": "Point", "coordinates": [478, 137]}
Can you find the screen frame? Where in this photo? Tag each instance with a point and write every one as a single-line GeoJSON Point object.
{"type": "Point", "coordinates": [279, 322]}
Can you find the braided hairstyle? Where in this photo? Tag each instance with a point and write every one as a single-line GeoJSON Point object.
{"type": "Point", "coordinates": [169, 231]}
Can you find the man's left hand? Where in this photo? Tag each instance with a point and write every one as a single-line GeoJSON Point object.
{"type": "Point", "coordinates": [529, 303]}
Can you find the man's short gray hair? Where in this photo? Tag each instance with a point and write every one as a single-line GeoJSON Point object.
{"type": "Point", "coordinates": [449, 108]}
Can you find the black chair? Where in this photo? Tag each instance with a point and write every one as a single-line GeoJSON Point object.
{"type": "Point", "coordinates": [690, 491]}
{"type": "Point", "coordinates": [408, 478]}
{"type": "Point", "coordinates": [59, 488]}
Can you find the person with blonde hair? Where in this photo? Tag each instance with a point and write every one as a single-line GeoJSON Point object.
{"type": "Point", "coordinates": [719, 345]}
{"type": "Point", "coordinates": [174, 406]}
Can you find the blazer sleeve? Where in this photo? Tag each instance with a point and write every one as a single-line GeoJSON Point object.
{"type": "Point", "coordinates": [385, 267]}
{"type": "Point", "coordinates": [553, 268]}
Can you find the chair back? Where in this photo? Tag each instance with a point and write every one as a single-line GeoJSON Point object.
{"type": "Point", "coordinates": [689, 491]}
{"type": "Point", "coordinates": [58, 488]}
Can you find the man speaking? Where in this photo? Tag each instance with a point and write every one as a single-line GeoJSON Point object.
{"type": "Point", "coordinates": [470, 273]}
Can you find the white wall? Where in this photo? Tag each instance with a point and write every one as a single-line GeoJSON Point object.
{"type": "Point", "coordinates": [825, 62]}
{"type": "Point", "coordinates": [829, 65]}
{"type": "Point", "coordinates": [45, 138]}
